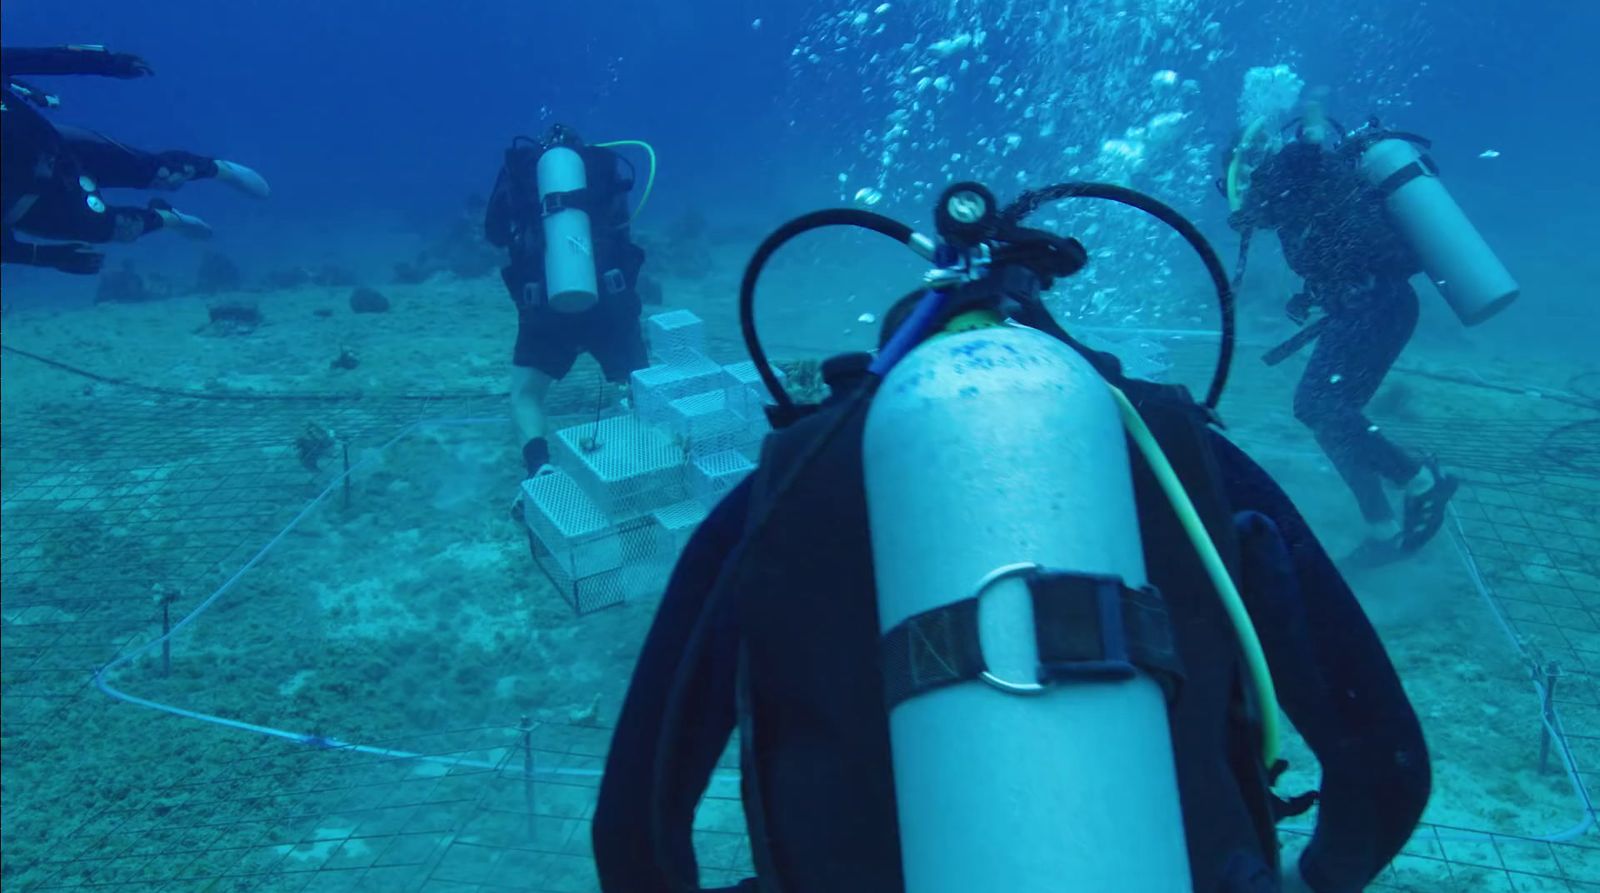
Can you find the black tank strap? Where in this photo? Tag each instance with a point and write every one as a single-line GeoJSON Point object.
{"type": "Point", "coordinates": [585, 199]}
{"type": "Point", "coordinates": [1086, 627]}
{"type": "Point", "coordinates": [1422, 167]}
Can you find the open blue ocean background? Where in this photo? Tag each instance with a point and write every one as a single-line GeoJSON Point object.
{"type": "Point", "coordinates": [376, 121]}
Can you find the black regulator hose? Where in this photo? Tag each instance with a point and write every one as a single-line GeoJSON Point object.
{"type": "Point", "coordinates": [805, 223]}
{"type": "Point", "coordinates": [1033, 199]}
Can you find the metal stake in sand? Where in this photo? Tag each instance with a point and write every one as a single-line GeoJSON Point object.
{"type": "Point", "coordinates": [591, 444]}
{"type": "Point", "coordinates": [346, 474]}
{"type": "Point", "coordinates": [526, 726]}
{"type": "Point", "coordinates": [164, 598]}
{"type": "Point", "coordinates": [166, 643]}
{"type": "Point", "coordinates": [1552, 672]}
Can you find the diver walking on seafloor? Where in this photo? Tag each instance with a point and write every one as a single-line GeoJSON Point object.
{"type": "Point", "coordinates": [53, 174]}
{"type": "Point", "coordinates": [560, 209]}
{"type": "Point", "coordinates": [995, 616]}
{"type": "Point", "coordinates": [1358, 214]}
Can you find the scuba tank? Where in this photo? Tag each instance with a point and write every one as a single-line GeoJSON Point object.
{"type": "Point", "coordinates": [569, 265]}
{"type": "Point", "coordinates": [1027, 666]}
{"type": "Point", "coordinates": [1458, 260]}
{"type": "Point", "coordinates": [572, 273]}
{"type": "Point", "coordinates": [972, 493]}
{"type": "Point", "coordinates": [571, 281]}
{"type": "Point", "coordinates": [999, 789]}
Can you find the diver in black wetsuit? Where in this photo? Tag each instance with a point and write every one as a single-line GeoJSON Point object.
{"type": "Point", "coordinates": [550, 339]}
{"type": "Point", "coordinates": [53, 174]}
{"type": "Point", "coordinates": [1336, 236]}
{"type": "Point", "coordinates": [771, 627]}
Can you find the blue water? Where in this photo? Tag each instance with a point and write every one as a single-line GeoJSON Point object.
{"type": "Point", "coordinates": [375, 121]}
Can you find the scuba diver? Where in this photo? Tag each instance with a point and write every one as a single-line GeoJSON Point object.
{"type": "Point", "coordinates": [976, 622]}
{"type": "Point", "coordinates": [560, 208]}
{"type": "Point", "coordinates": [1357, 216]}
{"type": "Point", "coordinates": [53, 174]}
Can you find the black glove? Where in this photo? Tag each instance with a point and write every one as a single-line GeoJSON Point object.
{"type": "Point", "coordinates": [70, 257]}
{"type": "Point", "coordinates": [127, 66]}
{"type": "Point", "coordinates": [1299, 308]}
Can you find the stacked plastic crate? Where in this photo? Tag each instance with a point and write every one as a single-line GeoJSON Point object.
{"type": "Point", "coordinates": [611, 514]}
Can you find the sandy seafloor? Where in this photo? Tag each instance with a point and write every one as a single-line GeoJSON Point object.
{"type": "Point", "coordinates": [414, 609]}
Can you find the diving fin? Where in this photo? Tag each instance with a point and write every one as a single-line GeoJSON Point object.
{"type": "Point", "coordinates": [242, 178]}
{"type": "Point", "coordinates": [1425, 512]}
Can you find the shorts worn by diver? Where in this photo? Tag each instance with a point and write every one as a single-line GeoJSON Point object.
{"type": "Point", "coordinates": [550, 342]}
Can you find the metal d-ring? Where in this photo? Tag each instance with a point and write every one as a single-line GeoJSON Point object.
{"type": "Point", "coordinates": [1006, 572]}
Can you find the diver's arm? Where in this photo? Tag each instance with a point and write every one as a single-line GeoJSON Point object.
{"type": "Point", "coordinates": [497, 215]}
{"type": "Point", "coordinates": [625, 850]}
{"type": "Point", "coordinates": [617, 214]}
{"type": "Point", "coordinates": [96, 60]}
{"type": "Point", "coordinates": [15, 251]}
{"type": "Point", "coordinates": [1345, 699]}
{"type": "Point", "coordinates": [1261, 204]}
{"type": "Point", "coordinates": [68, 257]}
{"type": "Point", "coordinates": [1253, 213]}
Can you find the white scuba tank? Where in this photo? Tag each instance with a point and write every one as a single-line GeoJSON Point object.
{"type": "Point", "coordinates": [983, 449]}
{"type": "Point", "coordinates": [571, 281]}
{"type": "Point", "coordinates": [1454, 255]}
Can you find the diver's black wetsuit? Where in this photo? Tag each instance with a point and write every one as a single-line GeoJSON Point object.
{"type": "Point", "coordinates": [120, 166]}
{"type": "Point", "coordinates": [53, 174]}
{"type": "Point", "coordinates": [1346, 701]}
{"type": "Point", "coordinates": [547, 340]}
{"type": "Point", "coordinates": [1337, 237]}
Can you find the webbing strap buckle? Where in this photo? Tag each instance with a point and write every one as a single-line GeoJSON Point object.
{"type": "Point", "coordinates": [1115, 665]}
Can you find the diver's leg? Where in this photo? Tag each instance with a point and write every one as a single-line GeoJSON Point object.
{"type": "Point", "coordinates": [66, 210]}
{"type": "Point", "coordinates": [529, 389]}
{"type": "Point", "coordinates": [1427, 489]}
{"type": "Point", "coordinates": [544, 353]}
{"type": "Point", "coordinates": [1386, 319]}
{"type": "Point", "coordinates": [115, 164]}
{"type": "Point", "coordinates": [1325, 403]}
{"type": "Point", "coordinates": [615, 337]}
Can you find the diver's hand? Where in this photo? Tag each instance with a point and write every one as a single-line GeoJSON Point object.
{"type": "Point", "coordinates": [128, 66]}
{"type": "Point", "coordinates": [1299, 308]}
{"type": "Point", "coordinates": [71, 257]}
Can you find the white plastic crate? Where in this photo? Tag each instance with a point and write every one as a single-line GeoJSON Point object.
{"type": "Point", "coordinates": [569, 525]}
{"type": "Point", "coordinates": [626, 466]}
{"type": "Point", "coordinates": [655, 387]}
{"type": "Point", "coordinates": [712, 476]}
{"type": "Point", "coordinates": [675, 523]}
{"type": "Point", "coordinates": [676, 337]}
{"type": "Point", "coordinates": [643, 573]}
{"type": "Point", "coordinates": [703, 422]}
{"type": "Point", "coordinates": [747, 394]}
